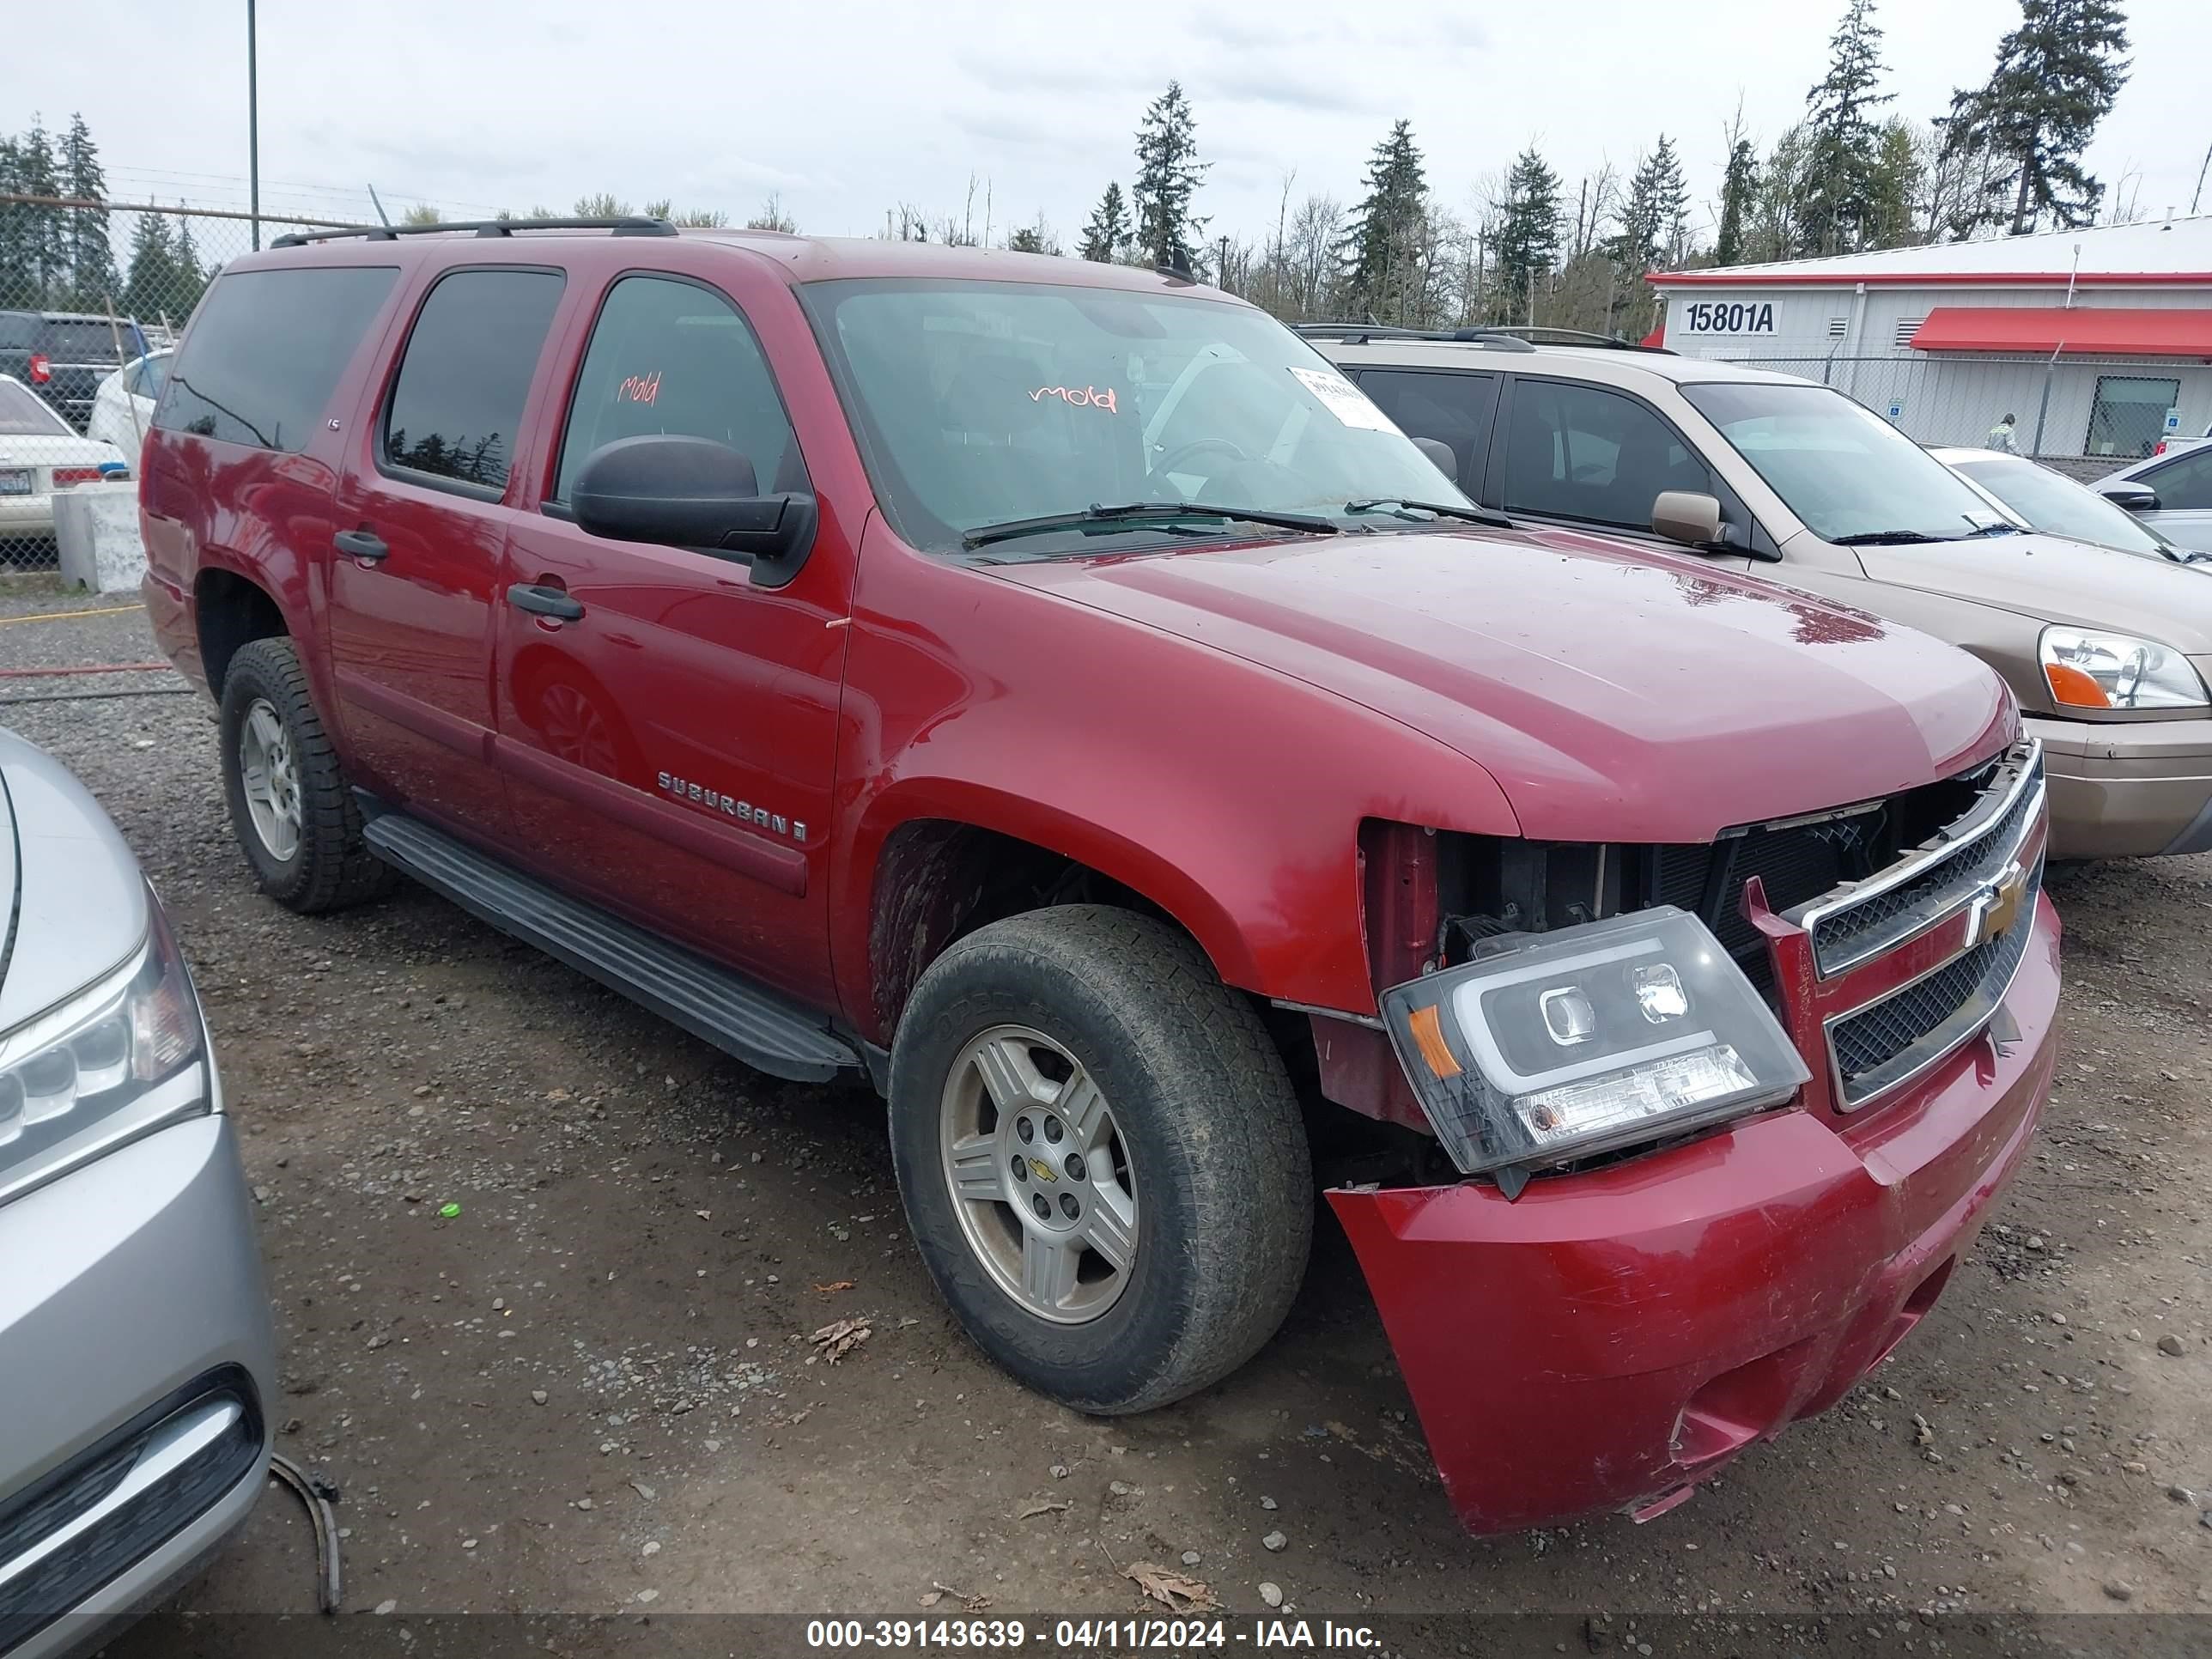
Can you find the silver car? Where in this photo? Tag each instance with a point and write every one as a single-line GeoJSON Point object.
{"type": "Point", "coordinates": [136, 1360]}
{"type": "Point", "coordinates": [2171, 493]}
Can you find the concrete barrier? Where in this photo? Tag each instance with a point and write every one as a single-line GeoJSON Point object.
{"type": "Point", "coordinates": [96, 530]}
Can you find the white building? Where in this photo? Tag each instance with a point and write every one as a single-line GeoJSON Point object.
{"type": "Point", "coordinates": [2098, 340]}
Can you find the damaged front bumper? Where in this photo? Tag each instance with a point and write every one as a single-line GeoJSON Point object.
{"type": "Point", "coordinates": [1612, 1337]}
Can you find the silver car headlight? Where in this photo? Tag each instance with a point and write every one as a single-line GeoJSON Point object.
{"type": "Point", "coordinates": [2087, 669]}
{"type": "Point", "coordinates": [1555, 1045]}
{"type": "Point", "coordinates": [126, 1055]}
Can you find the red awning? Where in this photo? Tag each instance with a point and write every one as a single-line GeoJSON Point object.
{"type": "Point", "coordinates": [2077, 330]}
{"type": "Point", "coordinates": [1657, 336]}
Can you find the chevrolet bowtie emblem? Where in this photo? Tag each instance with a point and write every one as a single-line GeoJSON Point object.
{"type": "Point", "coordinates": [1997, 906]}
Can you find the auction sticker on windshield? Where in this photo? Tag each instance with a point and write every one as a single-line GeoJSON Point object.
{"type": "Point", "coordinates": [1342, 398]}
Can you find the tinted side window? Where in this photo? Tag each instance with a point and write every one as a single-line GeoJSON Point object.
{"type": "Point", "coordinates": [466, 373]}
{"type": "Point", "coordinates": [671, 356]}
{"type": "Point", "coordinates": [2186, 483]}
{"type": "Point", "coordinates": [1574, 451]}
{"type": "Point", "coordinates": [266, 351]}
{"type": "Point", "coordinates": [1452, 408]}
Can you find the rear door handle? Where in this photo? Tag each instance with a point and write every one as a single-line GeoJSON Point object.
{"type": "Point", "coordinates": [542, 601]}
{"type": "Point", "coordinates": [361, 544]}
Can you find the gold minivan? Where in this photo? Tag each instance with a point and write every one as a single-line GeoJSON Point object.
{"type": "Point", "coordinates": [2109, 655]}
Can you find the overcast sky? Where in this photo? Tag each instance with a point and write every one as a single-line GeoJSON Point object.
{"type": "Point", "coordinates": [847, 109]}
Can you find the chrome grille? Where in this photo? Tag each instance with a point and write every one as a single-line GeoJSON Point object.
{"type": "Point", "coordinates": [1851, 926]}
{"type": "Point", "coordinates": [1883, 1044]}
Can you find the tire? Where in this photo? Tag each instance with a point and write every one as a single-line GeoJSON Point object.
{"type": "Point", "coordinates": [270, 731]}
{"type": "Point", "coordinates": [1204, 1166]}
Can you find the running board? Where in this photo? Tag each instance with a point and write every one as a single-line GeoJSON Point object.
{"type": "Point", "coordinates": [767, 1031]}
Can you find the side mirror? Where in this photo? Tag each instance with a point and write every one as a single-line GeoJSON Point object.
{"type": "Point", "coordinates": [2135, 497]}
{"type": "Point", "coordinates": [1440, 452]}
{"type": "Point", "coordinates": [697, 494]}
{"type": "Point", "coordinates": [1688, 517]}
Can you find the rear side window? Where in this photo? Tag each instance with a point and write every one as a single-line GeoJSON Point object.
{"type": "Point", "coordinates": [669, 356]}
{"type": "Point", "coordinates": [266, 350]}
{"type": "Point", "coordinates": [1454, 409]}
{"type": "Point", "coordinates": [2186, 484]}
{"type": "Point", "coordinates": [466, 373]}
{"type": "Point", "coordinates": [1574, 451]}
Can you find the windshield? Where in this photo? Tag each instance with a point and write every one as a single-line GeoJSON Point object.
{"type": "Point", "coordinates": [1844, 470]}
{"type": "Point", "coordinates": [983, 403]}
{"type": "Point", "coordinates": [22, 416]}
{"type": "Point", "coordinates": [2059, 505]}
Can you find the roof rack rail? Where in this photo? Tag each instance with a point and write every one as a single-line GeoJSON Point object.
{"type": "Point", "coordinates": [1546, 335]}
{"type": "Point", "coordinates": [631, 224]}
{"type": "Point", "coordinates": [1359, 333]}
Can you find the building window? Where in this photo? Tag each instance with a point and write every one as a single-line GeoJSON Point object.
{"type": "Point", "coordinates": [2129, 413]}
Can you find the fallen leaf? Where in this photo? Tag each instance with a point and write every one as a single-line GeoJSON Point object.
{"type": "Point", "coordinates": [704, 1215]}
{"type": "Point", "coordinates": [937, 1593]}
{"type": "Point", "coordinates": [834, 1286]}
{"type": "Point", "coordinates": [1171, 1590]}
{"type": "Point", "coordinates": [1043, 1506]}
{"type": "Point", "coordinates": [841, 1338]}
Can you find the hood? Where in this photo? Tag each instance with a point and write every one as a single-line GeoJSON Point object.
{"type": "Point", "coordinates": [74, 900]}
{"type": "Point", "coordinates": [1612, 694]}
{"type": "Point", "coordinates": [2053, 579]}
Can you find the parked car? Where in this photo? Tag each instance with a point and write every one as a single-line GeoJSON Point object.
{"type": "Point", "coordinates": [39, 456]}
{"type": "Point", "coordinates": [136, 1363]}
{"type": "Point", "coordinates": [2042, 498]}
{"type": "Point", "coordinates": [122, 408]}
{"type": "Point", "coordinates": [2172, 494]}
{"type": "Point", "coordinates": [1778, 477]}
{"type": "Point", "coordinates": [63, 355]}
{"type": "Point", "coordinates": [1052, 692]}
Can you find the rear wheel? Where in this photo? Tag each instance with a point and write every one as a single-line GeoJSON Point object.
{"type": "Point", "coordinates": [295, 818]}
{"type": "Point", "coordinates": [1101, 1157]}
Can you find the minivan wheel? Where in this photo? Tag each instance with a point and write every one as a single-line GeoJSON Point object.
{"type": "Point", "coordinates": [289, 807]}
{"type": "Point", "coordinates": [1101, 1157]}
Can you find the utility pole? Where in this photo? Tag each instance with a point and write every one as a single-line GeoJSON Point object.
{"type": "Point", "coordinates": [252, 127]}
{"type": "Point", "coordinates": [2201, 171]}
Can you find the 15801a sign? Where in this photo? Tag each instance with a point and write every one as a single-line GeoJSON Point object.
{"type": "Point", "coordinates": [1729, 317]}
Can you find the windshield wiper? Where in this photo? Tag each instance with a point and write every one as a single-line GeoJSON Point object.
{"type": "Point", "coordinates": [1139, 512]}
{"type": "Point", "coordinates": [1398, 506]}
{"type": "Point", "coordinates": [1888, 538]}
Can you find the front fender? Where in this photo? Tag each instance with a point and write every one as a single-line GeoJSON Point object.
{"type": "Point", "coordinates": [1226, 794]}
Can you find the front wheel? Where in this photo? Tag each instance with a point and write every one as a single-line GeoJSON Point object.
{"type": "Point", "coordinates": [1101, 1157]}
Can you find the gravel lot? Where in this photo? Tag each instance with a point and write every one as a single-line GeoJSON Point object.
{"type": "Point", "coordinates": [593, 1390]}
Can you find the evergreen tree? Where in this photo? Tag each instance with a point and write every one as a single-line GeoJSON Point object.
{"type": "Point", "coordinates": [45, 229]}
{"type": "Point", "coordinates": [191, 277]}
{"type": "Point", "coordinates": [19, 283]}
{"type": "Point", "coordinates": [1739, 185]}
{"type": "Point", "coordinates": [2056, 78]}
{"type": "Point", "coordinates": [1388, 239]}
{"type": "Point", "coordinates": [91, 258]}
{"type": "Point", "coordinates": [1526, 239]}
{"type": "Point", "coordinates": [1840, 165]}
{"type": "Point", "coordinates": [153, 270]}
{"type": "Point", "coordinates": [1895, 187]}
{"type": "Point", "coordinates": [1107, 232]}
{"type": "Point", "coordinates": [1655, 220]}
{"type": "Point", "coordinates": [1168, 175]}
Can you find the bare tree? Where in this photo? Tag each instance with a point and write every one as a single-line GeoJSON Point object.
{"type": "Point", "coordinates": [773, 214]}
{"type": "Point", "coordinates": [1309, 260]}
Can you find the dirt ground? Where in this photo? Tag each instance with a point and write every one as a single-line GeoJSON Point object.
{"type": "Point", "coordinates": [592, 1389]}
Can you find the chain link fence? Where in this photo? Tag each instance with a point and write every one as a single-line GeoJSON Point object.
{"type": "Point", "coordinates": [93, 295]}
{"type": "Point", "coordinates": [2086, 416]}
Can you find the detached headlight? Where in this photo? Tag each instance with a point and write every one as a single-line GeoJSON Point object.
{"type": "Point", "coordinates": [1585, 1039]}
{"type": "Point", "coordinates": [2116, 671]}
{"type": "Point", "coordinates": [123, 1056]}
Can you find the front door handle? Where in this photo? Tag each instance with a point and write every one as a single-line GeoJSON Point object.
{"type": "Point", "coordinates": [542, 601]}
{"type": "Point", "coordinates": [361, 544]}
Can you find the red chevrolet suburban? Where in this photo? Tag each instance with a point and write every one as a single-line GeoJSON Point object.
{"type": "Point", "coordinates": [1052, 689]}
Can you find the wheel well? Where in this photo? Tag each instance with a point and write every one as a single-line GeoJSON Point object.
{"type": "Point", "coordinates": [231, 612]}
{"type": "Point", "coordinates": [938, 881]}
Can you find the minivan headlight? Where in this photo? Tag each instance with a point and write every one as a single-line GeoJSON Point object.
{"type": "Point", "coordinates": [126, 1055]}
{"type": "Point", "coordinates": [1555, 1045]}
{"type": "Point", "coordinates": [2089, 669]}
